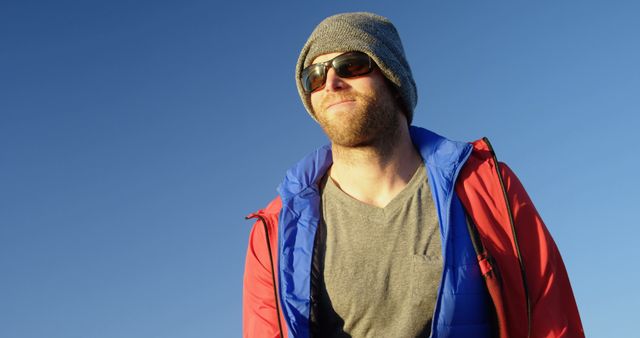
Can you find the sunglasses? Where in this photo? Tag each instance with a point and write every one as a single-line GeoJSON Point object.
{"type": "Point", "coordinates": [346, 65]}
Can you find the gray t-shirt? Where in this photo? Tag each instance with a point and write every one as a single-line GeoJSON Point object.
{"type": "Point", "coordinates": [381, 266]}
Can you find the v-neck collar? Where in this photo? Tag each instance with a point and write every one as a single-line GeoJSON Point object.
{"type": "Point", "coordinates": [417, 180]}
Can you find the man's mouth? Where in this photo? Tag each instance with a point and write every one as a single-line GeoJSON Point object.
{"type": "Point", "coordinates": [339, 102]}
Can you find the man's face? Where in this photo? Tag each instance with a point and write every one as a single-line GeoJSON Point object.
{"type": "Point", "coordinates": [354, 111]}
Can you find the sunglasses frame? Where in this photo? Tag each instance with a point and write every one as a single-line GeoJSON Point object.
{"type": "Point", "coordinates": [331, 64]}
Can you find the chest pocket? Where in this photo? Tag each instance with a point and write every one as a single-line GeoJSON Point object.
{"type": "Point", "coordinates": [426, 272]}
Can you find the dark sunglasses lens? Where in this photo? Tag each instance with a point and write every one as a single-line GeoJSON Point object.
{"type": "Point", "coordinates": [313, 77]}
{"type": "Point", "coordinates": [352, 64]}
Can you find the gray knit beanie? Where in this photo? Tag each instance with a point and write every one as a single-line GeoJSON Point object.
{"type": "Point", "coordinates": [363, 32]}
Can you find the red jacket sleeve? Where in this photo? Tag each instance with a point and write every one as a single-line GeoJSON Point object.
{"type": "Point", "coordinates": [259, 316]}
{"type": "Point", "coordinates": [553, 308]}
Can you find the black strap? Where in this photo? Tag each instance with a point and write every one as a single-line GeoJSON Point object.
{"type": "Point", "coordinates": [475, 237]}
{"type": "Point", "coordinates": [514, 234]}
{"type": "Point", "coordinates": [273, 275]}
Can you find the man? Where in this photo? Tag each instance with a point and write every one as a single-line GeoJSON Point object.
{"type": "Point", "coordinates": [392, 230]}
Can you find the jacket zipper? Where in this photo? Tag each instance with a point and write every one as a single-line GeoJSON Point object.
{"type": "Point", "coordinates": [273, 275]}
{"type": "Point", "coordinates": [444, 263]}
{"type": "Point", "coordinates": [515, 237]}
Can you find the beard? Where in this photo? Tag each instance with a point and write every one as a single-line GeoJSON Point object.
{"type": "Point", "coordinates": [373, 122]}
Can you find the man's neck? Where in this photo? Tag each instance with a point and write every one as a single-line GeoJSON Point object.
{"type": "Point", "coordinates": [375, 174]}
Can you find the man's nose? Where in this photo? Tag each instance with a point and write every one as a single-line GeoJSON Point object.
{"type": "Point", "coordinates": [334, 82]}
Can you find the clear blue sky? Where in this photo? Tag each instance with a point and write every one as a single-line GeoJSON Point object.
{"type": "Point", "coordinates": [135, 136]}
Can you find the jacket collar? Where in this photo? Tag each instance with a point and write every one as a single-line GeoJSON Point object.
{"type": "Point", "coordinates": [437, 152]}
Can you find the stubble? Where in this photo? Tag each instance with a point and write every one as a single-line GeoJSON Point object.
{"type": "Point", "coordinates": [372, 123]}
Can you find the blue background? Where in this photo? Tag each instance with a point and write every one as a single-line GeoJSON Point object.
{"type": "Point", "coordinates": [135, 136]}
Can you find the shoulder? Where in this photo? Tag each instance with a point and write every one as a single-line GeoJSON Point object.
{"type": "Point", "coordinates": [268, 215]}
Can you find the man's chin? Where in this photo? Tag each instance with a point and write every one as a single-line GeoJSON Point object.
{"type": "Point", "coordinates": [349, 138]}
